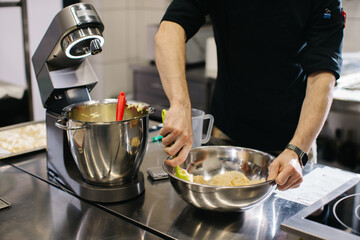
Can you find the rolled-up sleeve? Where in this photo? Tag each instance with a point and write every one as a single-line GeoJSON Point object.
{"type": "Point", "coordinates": [190, 14]}
{"type": "Point", "coordinates": [324, 38]}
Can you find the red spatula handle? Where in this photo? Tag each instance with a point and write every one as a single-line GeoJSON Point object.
{"type": "Point", "coordinates": [120, 106]}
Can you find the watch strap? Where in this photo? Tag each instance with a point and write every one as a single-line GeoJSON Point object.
{"type": "Point", "coordinates": [303, 157]}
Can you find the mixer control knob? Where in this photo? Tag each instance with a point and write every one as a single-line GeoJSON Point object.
{"type": "Point", "coordinates": [95, 46]}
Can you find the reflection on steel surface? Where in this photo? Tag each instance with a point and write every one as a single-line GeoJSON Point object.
{"type": "Point", "coordinates": [220, 225]}
{"type": "Point", "coordinates": [42, 211]}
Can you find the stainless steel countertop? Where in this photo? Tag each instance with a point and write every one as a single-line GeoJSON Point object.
{"type": "Point", "coordinates": [158, 210]}
{"type": "Point", "coordinates": [41, 211]}
{"type": "Point", "coordinates": [165, 211]}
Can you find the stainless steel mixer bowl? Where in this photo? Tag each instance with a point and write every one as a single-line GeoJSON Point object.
{"type": "Point", "coordinates": [209, 161]}
{"type": "Point", "coordinates": [106, 151]}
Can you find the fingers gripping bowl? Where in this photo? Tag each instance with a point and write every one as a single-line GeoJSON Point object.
{"type": "Point", "coordinates": [209, 161]}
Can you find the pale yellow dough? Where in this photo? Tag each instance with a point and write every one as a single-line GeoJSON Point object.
{"type": "Point", "coordinates": [229, 179]}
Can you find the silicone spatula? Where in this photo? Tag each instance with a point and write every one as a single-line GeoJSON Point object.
{"type": "Point", "coordinates": [183, 174]}
{"type": "Point", "coordinates": [179, 172]}
{"type": "Point", "coordinates": [120, 108]}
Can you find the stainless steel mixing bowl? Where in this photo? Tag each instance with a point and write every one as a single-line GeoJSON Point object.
{"type": "Point", "coordinates": [209, 161]}
{"type": "Point", "coordinates": [106, 151]}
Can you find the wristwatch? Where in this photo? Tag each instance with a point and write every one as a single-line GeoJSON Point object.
{"type": "Point", "coordinates": [303, 157]}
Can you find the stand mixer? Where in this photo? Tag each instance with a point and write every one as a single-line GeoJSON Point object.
{"type": "Point", "coordinates": [65, 77]}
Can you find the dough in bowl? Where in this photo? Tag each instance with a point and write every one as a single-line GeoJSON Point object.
{"type": "Point", "coordinates": [228, 179]}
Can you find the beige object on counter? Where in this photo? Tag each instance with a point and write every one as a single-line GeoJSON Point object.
{"type": "Point", "coordinates": [22, 139]}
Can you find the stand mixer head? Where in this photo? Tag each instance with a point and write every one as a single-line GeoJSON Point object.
{"type": "Point", "coordinates": [60, 60]}
{"type": "Point", "coordinates": [65, 78]}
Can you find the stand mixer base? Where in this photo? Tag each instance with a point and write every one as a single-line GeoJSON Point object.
{"type": "Point", "coordinates": [101, 194]}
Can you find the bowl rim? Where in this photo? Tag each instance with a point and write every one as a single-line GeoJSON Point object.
{"type": "Point", "coordinates": [267, 182]}
{"type": "Point", "coordinates": [70, 107]}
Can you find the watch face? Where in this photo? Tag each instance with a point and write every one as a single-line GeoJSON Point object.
{"type": "Point", "coordinates": [304, 159]}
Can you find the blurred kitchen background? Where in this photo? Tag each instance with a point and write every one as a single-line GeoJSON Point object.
{"type": "Point", "coordinates": [126, 64]}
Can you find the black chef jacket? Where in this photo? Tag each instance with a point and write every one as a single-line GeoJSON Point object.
{"type": "Point", "coordinates": [266, 49]}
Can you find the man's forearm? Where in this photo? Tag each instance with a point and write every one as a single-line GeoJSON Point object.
{"type": "Point", "coordinates": [315, 109]}
{"type": "Point", "coordinates": [170, 61]}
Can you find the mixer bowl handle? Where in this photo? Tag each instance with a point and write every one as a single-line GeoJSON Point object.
{"type": "Point", "coordinates": [60, 123]}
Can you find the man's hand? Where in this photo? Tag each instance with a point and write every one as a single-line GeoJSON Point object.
{"type": "Point", "coordinates": [286, 170]}
{"type": "Point", "coordinates": [177, 134]}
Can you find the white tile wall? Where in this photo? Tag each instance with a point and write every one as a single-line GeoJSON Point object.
{"type": "Point", "coordinates": [352, 29]}
{"type": "Point", "coordinates": [352, 8]}
{"type": "Point", "coordinates": [157, 4]}
{"type": "Point", "coordinates": [115, 34]}
{"type": "Point", "coordinates": [116, 74]}
{"type": "Point", "coordinates": [352, 35]}
{"type": "Point", "coordinates": [114, 4]}
{"type": "Point", "coordinates": [125, 41]}
{"type": "Point", "coordinates": [132, 35]}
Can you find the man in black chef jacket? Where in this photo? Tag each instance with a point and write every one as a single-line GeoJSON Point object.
{"type": "Point", "coordinates": [277, 66]}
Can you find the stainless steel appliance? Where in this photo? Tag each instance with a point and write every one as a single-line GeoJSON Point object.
{"type": "Point", "coordinates": [335, 216]}
{"type": "Point", "coordinates": [65, 77]}
{"type": "Point", "coordinates": [107, 152]}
